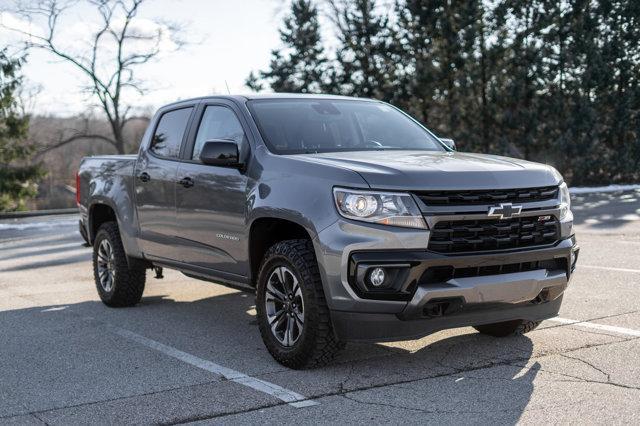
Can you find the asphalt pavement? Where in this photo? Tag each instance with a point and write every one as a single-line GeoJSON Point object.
{"type": "Point", "coordinates": [191, 351]}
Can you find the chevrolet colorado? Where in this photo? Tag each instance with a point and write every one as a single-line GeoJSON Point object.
{"type": "Point", "coordinates": [349, 219]}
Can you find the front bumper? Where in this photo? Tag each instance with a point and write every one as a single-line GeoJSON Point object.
{"type": "Point", "coordinates": [431, 305]}
{"type": "Point", "coordinates": [367, 327]}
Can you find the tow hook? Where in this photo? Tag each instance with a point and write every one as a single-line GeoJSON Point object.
{"type": "Point", "coordinates": [442, 307]}
{"type": "Point", "coordinates": [158, 271]}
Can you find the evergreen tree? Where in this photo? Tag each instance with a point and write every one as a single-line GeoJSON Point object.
{"type": "Point", "coordinates": [573, 79]}
{"type": "Point", "coordinates": [524, 76]}
{"type": "Point", "coordinates": [300, 66]}
{"type": "Point", "coordinates": [367, 56]}
{"type": "Point", "coordinates": [439, 38]}
{"type": "Point", "coordinates": [609, 52]}
{"type": "Point", "coordinates": [18, 179]}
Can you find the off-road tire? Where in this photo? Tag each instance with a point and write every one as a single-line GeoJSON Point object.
{"type": "Point", "coordinates": [128, 282]}
{"type": "Point", "coordinates": [508, 328]}
{"type": "Point", "coordinates": [317, 344]}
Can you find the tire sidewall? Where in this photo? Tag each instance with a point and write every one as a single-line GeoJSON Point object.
{"type": "Point", "coordinates": [305, 341]}
{"type": "Point", "coordinates": [128, 280]}
{"type": "Point", "coordinates": [102, 235]}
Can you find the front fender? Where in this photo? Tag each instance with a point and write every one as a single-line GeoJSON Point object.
{"type": "Point", "coordinates": [298, 191]}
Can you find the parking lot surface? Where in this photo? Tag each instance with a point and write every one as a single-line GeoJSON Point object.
{"type": "Point", "coordinates": [191, 351]}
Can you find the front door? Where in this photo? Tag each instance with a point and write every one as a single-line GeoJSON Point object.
{"type": "Point", "coordinates": [155, 184]}
{"type": "Point", "coordinates": [211, 205]}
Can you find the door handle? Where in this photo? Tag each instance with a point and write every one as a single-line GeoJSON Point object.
{"type": "Point", "coordinates": [144, 177]}
{"type": "Point", "coordinates": [187, 182]}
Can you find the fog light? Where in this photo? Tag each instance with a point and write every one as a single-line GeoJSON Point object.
{"type": "Point", "coordinates": [376, 277]}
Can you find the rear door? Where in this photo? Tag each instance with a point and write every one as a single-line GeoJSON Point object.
{"type": "Point", "coordinates": [211, 209]}
{"type": "Point", "coordinates": [155, 183]}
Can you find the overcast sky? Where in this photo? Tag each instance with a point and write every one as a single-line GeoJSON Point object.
{"type": "Point", "coordinates": [234, 37]}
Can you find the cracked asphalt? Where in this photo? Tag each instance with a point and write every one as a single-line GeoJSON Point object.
{"type": "Point", "coordinates": [67, 359]}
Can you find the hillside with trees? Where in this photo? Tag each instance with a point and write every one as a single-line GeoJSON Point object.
{"type": "Point", "coordinates": [108, 63]}
{"type": "Point", "coordinates": [59, 148]}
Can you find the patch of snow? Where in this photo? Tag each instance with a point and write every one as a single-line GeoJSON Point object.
{"type": "Point", "coordinates": [36, 225]}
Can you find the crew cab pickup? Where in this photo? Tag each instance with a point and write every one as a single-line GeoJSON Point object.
{"type": "Point", "coordinates": [350, 221]}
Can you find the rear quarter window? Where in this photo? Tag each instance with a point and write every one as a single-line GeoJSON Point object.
{"type": "Point", "coordinates": [169, 133]}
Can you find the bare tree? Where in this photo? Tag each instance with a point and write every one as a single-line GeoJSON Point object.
{"type": "Point", "coordinates": [115, 50]}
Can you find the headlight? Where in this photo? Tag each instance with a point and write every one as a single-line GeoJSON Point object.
{"type": "Point", "coordinates": [565, 200]}
{"type": "Point", "coordinates": [385, 208]}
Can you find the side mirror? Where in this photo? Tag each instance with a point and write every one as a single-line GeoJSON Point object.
{"type": "Point", "coordinates": [449, 143]}
{"type": "Point", "coordinates": [220, 152]}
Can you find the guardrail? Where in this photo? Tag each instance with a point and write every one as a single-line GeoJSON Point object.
{"type": "Point", "coordinates": [16, 215]}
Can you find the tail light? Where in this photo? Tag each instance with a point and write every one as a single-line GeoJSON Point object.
{"type": "Point", "coordinates": [78, 188]}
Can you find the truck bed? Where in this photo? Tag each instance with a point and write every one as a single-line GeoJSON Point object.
{"type": "Point", "coordinates": [108, 180]}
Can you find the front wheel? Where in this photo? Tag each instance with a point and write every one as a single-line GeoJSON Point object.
{"type": "Point", "coordinates": [118, 283]}
{"type": "Point", "coordinates": [292, 312]}
{"type": "Point", "coordinates": [508, 328]}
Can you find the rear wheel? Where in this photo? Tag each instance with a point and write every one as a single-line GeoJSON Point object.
{"type": "Point", "coordinates": [117, 283]}
{"type": "Point", "coordinates": [508, 328]}
{"type": "Point", "coordinates": [292, 312]}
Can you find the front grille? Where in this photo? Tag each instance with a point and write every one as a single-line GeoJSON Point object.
{"type": "Point", "coordinates": [441, 274]}
{"type": "Point", "coordinates": [493, 234]}
{"type": "Point", "coordinates": [475, 197]}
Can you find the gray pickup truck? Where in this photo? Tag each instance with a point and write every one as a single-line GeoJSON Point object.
{"type": "Point", "coordinates": [349, 219]}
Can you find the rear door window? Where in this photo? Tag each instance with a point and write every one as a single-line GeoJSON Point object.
{"type": "Point", "coordinates": [169, 133]}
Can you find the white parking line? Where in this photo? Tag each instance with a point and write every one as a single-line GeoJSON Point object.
{"type": "Point", "coordinates": [603, 327]}
{"type": "Point", "coordinates": [55, 309]}
{"type": "Point", "coordinates": [292, 398]}
{"type": "Point", "coordinates": [608, 268]}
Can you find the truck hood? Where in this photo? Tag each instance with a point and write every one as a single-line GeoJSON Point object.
{"type": "Point", "coordinates": [425, 170]}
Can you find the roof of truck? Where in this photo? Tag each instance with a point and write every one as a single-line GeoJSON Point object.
{"type": "Point", "coordinates": [297, 96]}
{"type": "Point", "coordinates": [271, 96]}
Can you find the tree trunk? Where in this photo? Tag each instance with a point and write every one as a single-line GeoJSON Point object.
{"type": "Point", "coordinates": [483, 88]}
{"type": "Point", "coordinates": [118, 136]}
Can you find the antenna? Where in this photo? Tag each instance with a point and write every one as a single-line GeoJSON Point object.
{"type": "Point", "coordinates": [228, 91]}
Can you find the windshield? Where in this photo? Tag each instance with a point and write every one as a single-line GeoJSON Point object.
{"type": "Point", "coordinates": [296, 126]}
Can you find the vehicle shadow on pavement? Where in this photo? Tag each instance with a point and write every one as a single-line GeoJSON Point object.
{"type": "Point", "coordinates": [448, 375]}
{"type": "Point", "coordinates": [605, 210]}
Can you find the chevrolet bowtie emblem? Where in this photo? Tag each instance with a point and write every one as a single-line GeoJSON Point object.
{"type": "Point", "coordinates": [504, 211]}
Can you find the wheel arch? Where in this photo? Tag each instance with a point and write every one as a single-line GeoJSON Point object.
{"type": "Point", "coordinates": [265, 232]}
{"type": "Point", "coordinates": [100, 213]}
